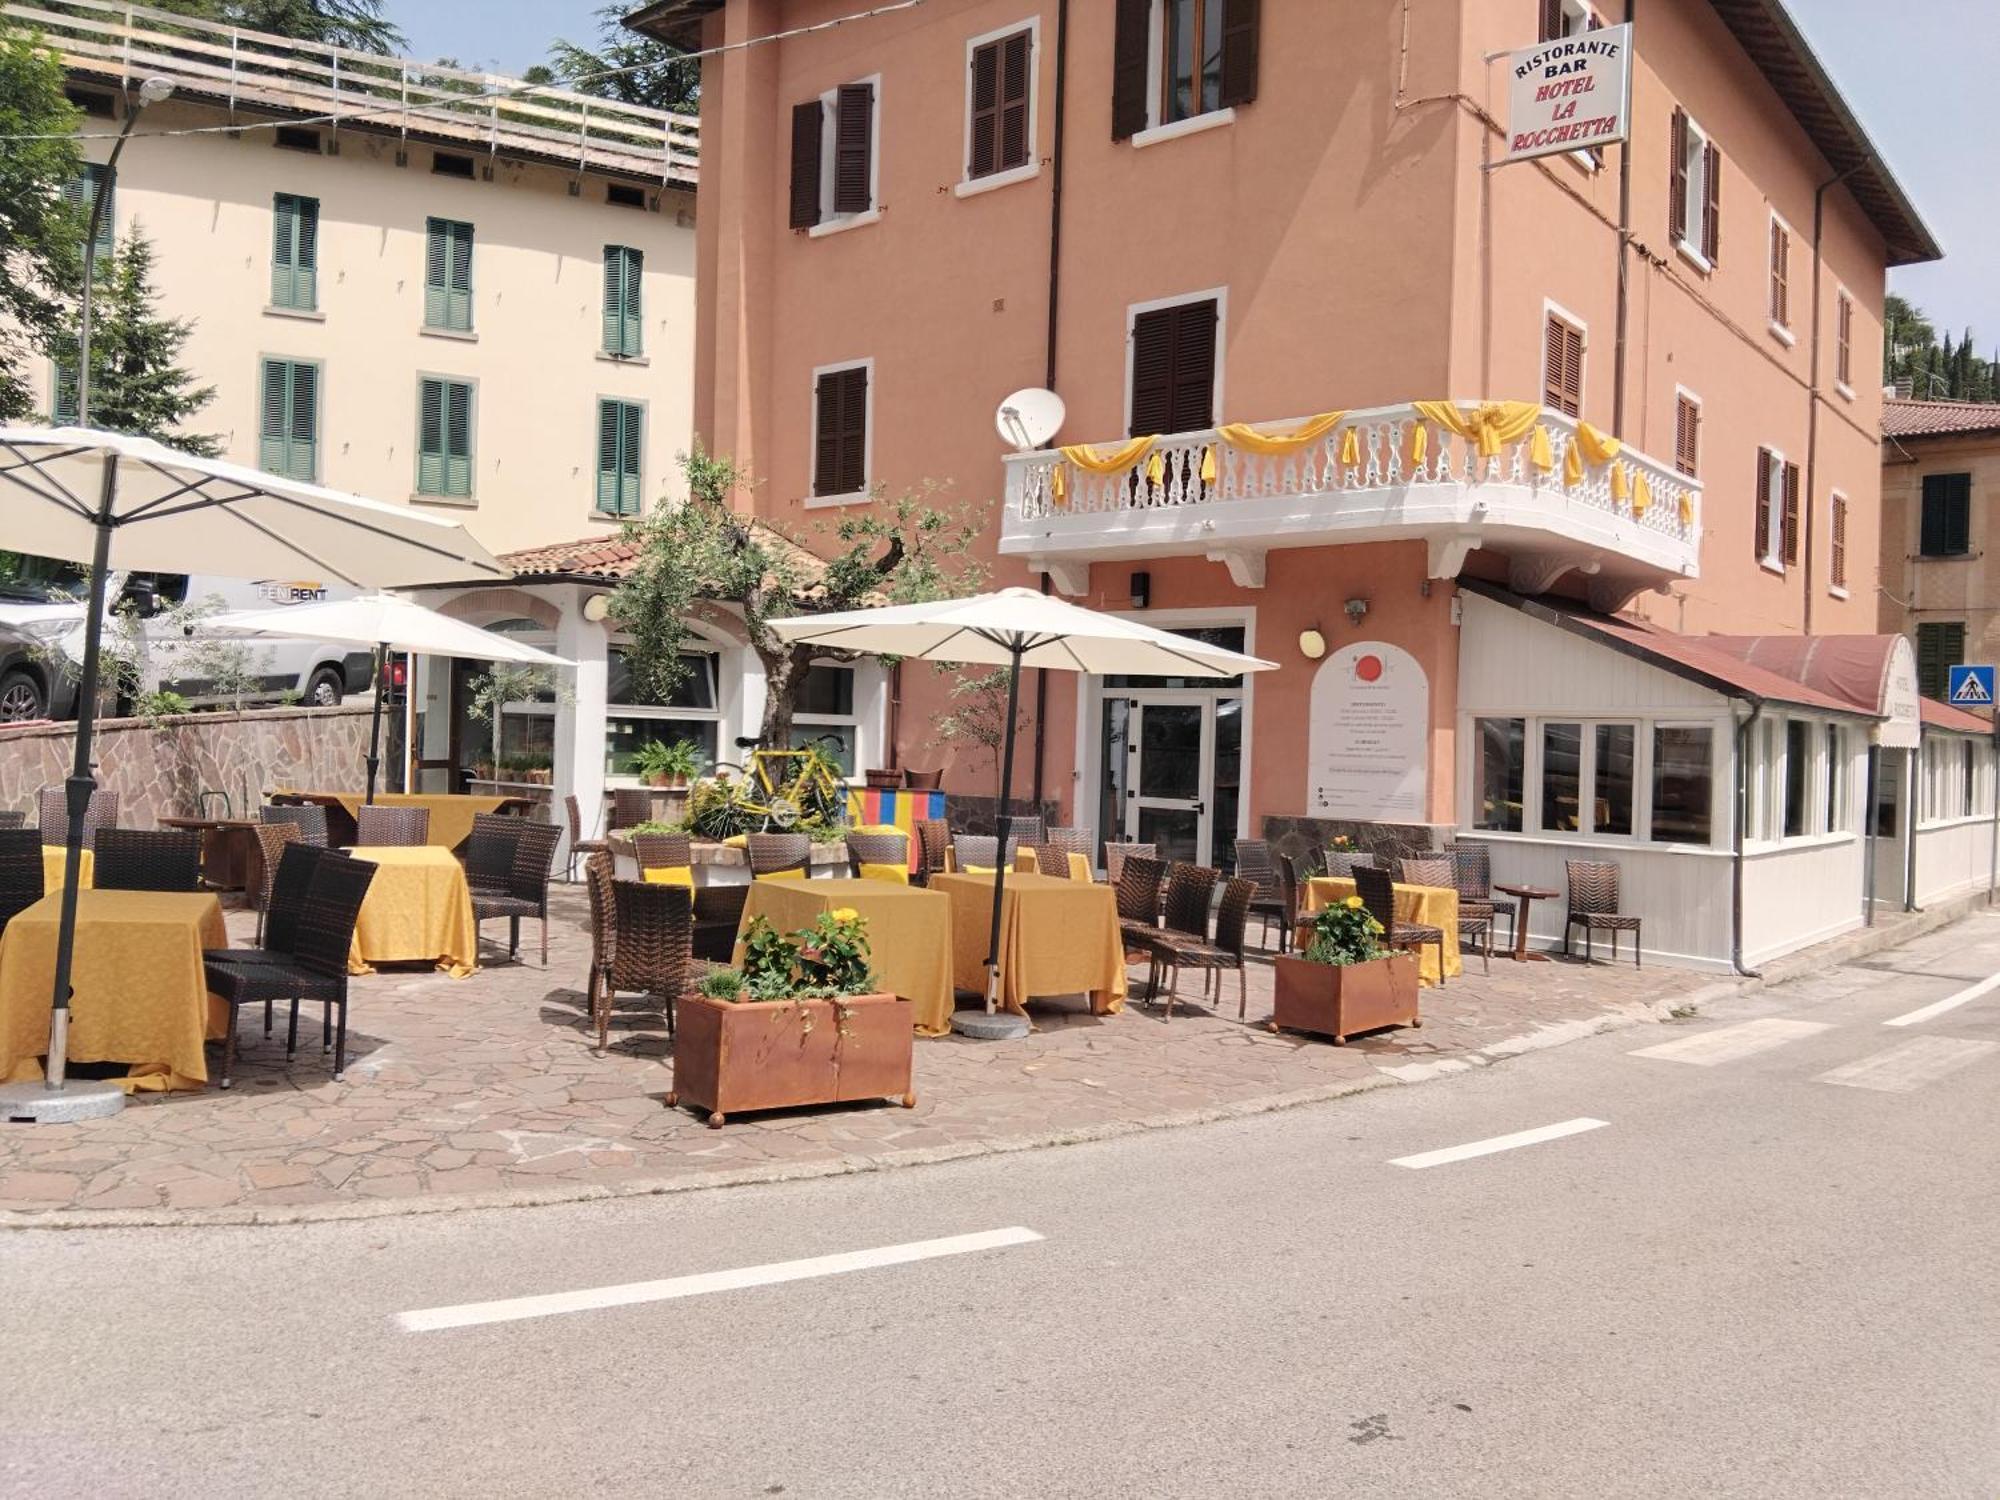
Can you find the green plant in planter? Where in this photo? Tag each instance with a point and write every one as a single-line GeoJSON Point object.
{"type": "Point", "coordinates": [1343, 934]}
{"type": "Point", "coordinates": [714, 812]}
{"type": "Point", "coordinates": [833, 954]}
{"type": "Point", "coordinates": [826, 961]}
{"type": "Point", "coordinates": [721, 984]}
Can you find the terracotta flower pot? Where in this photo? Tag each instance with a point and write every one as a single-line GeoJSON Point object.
{"type": "Point", "coordinates": [923, 781]}
{"type": "Point", "coordinates": [1342, 1000]}
{"type": "Point", "coordinates": [780, 1054]}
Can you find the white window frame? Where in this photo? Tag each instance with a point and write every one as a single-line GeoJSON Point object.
{"type": "Point", "coordinates": [969, 186]}
{"type": "Point", "coordinates": [1554, 309]}
{"type": "Point", "coordinates": [723, 716]}
{"type": "Point", "coordinates": [1771, 546]}
{"type": "Point", "coordinates": [1586, 761]}
{"type": "Point", "coordinates": [1576, 21]}
{"type": "Point", "coordinates": [1220, 297]}
{"type": "Point", "coordinates": [1157, 131]}
{"type": "Point", "coordinates": [1841, 294]}
{"type": "Point", "coordinates": [829, 137]}
{"type": "Point", "coordinates": [1780, 331]}
{"type": "Point", "coordinates": [1695, 169]}
{"type": "Point", "coordinates": [855, 718]}
{"type": "Point", "coordinates": [865, 493]}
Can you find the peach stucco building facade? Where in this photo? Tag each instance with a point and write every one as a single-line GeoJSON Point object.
{"type": "Point", "coordinates": [1329, 186]}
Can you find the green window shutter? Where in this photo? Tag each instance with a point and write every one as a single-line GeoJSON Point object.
{"type": "Point", "coordinates": [635, 335]}
{"type": "Point", "coordinates": [623, 269]}
{"type": "Point", "coordinates": [608, 427]}
{"type": "Point", "coordinates": [295, 252]}
{"type": "Point", "coordinates": [457, 438]}
{"type": "Point", "coordinates": [430, 437]}
{"type": "Point", "coordinates": [448, 275]}
{"type": "Point", "coordinates": [305, 422]}
{"type": "Point", "coordinates": [620, 450]}
{"type": "Point", "coordinates": [1940, 646]}
{"type": "Point", "coordinates": [62, 406]}
{"type": "Point", "coordinates": [273, 424]}
{"type": "Point", "coordinates": [631, 446]}
{"type": "Point", "coordinates": [80, 191]}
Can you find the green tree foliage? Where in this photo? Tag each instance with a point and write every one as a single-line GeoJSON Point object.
{"type": "Point", "coordinates": [898, 552]}
{"type": "Point", "coordinates": [39, 235]}
{"type": "Point", "coordinates": [1936, 369]}
{"type": "Point", "coordinates": [664, 78]}
{"type": "Point", "coordinates": [357, 24]}
{"type": "Point", "coordinates": [136, 380]}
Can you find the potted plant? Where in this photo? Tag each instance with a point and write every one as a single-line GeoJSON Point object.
{"type": "Point", "coordinates": [1343, 981]}
{"type": "Point", "coordinates": [801, 1024]}
{"type": "Point", "coordinates": [669, 766]}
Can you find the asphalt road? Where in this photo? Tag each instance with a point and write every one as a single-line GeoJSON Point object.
{"type": "Point", "coordinates": [1750, 1279]}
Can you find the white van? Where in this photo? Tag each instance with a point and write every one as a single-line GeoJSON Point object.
{"type": "Point", "coordinates": [46, 603]}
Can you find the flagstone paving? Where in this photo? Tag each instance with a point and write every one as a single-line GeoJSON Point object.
{"type": "Point", "coordinates": [488, 1089]}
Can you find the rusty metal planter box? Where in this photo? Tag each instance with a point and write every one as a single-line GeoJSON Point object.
{"type": "Point", "coordinates": [1341, 1001]}
{"type": "Point", "coordinates": [781, 1054]}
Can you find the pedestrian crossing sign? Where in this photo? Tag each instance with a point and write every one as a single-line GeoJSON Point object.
{"type": "Point", "coordinates": [1970, 687]}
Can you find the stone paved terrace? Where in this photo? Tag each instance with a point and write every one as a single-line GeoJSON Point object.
{"type": "Point", "coordinates": [488, 1090]}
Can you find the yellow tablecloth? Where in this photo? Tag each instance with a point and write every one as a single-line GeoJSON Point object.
{"type": "Point", "coordinates": [1057, 937]}
{"type": "Point", "coordinates": [451, 814]}
{"type": "Point", "coordinates": [52, 867]}
{"type": "Point", "coordinates": [418, 910]}
{"type": "Point", "coordinates": [909, 934]}
{"type": "Point", "coordinates": [1432, 905]}
{"type": "Point", "coordinates": [1029, 863]}
{"type": "Point", "coordinates": [139, 996]}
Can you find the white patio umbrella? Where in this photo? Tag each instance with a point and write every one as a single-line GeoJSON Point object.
{"type": "Point", "coordinates": [1016, 628]}
{"type": "Point", "coordinates": [110, 499]}
{"type": "Point", "coordinates": [384, 623]}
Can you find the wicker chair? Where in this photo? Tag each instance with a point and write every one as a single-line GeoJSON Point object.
{"type": "Point", "coordinates": [13, 820]}
{"type": "Point", "coordinates": [527, 893]}
{"type": "Point", "coordinates": [1472, 865]}
{"type": "Point", "coordinates": [778, 854]}
{"type": "Point", "coordinates": [1025, 832]}
{"type": "Point", "coordinates": [1138, 897]}
{"type": "Point", "coordinates": [580, 848]}
{"type": "Point", "coordinates": [1342, 863]}
{"type": "Point", "coordinates": [392, 827]}
{"type": "Point", "coordinates": [877, 849]}
{"type": "Point", "coordinates": [1256, 864]}
{"type": "Point", "coordinates": [272, 841]}
{"type": "Point", "coordinates": [21, 877]}
{"type": "Point", "coordinates": [631, 806]}
{"type": "Point", "coordinates": [662, 851]}
{"type": "Point", "coordinates": [934, 847]}
{"type": "Point", "coordinates": [309, 818]}
{"type": "Point", "coordinates": [1475, 919]}
{"type": "Point", "coordinates": [1074, 841]}
{"type": "Point", "coordinates": [1378, 894]}
{"type": "Point", "coordinates": [1428, 869]}
{"type": "Point", "coordinates": [1173, 951]}
{"type": "Point", "coordinates": [597, 880]}
{"type": "Point", "coordinates": [315, 970]}
{"type": "Point", "coordinates": [1115, 856]}
{"type": "Point", "coordinates": [970, 851]}
{"type": "Point", "coordinates": [287, 881]}
{"type": "Point", "coordinates": [718, 912]}
{"type": "Point", "coordinates": [53, 811]}
{"type": "Point", "coordinates": [651, 950]}
{"type": "Point", "coordinates": [1593, 906]}
{"type": "Point", "coordinates": [144, 859]}
{"type": "Point", "coordinates": [489, 853]}
{"type": "Point", "coordinates": [1184, 915]}
{"type": "Point", "coordinates": [1052, 859]}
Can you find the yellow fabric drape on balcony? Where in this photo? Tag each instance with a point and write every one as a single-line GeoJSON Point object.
{"type": "Point", "coordinates": [1540, 453]}
{"type": "Point", "coordinates": [1156, 470]}
{"type": "Point", "coordinates": [1598, 447]}
{"type": "Point", "coordinates": [1642, 493]}
{"type": "Point", "coordinates": [1208, 464]}
{"type": "Point", "coordinates": [1086, 457]}
{"type": "Point", "coordinates": [1620, 487]}
{"type": "Point", "coordinates": [1420, 444]}
{"type": "Point", "coordinates": [1573, 464]}
{"type": "Point", "coordinates": [1687, 509]}
{"type": "Point", "coordinates": [1489, 427]}
{"type": "Point", "coordinates": [1280, 444]}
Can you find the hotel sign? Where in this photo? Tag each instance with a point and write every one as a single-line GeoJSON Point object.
{"type": "Point", "coordinates": [1368, 736]}
{"type": "Point", "coordinates": [1571, 94]}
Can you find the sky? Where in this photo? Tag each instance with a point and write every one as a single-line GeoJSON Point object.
{"type": "Point", "coordinates": [1916, 73]}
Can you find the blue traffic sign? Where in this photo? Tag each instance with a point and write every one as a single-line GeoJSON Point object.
{"type": "Point", "coordinates": [1970, 687]}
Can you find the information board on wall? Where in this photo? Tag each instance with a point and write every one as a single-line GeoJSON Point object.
{"type": "Point", "coordinates": [1368, 736]}
{"type": "Point", "coordinates": [1569, 94]}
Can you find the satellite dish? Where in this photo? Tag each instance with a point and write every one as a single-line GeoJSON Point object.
{"type": "Point", "coordinates": [1028, 419]}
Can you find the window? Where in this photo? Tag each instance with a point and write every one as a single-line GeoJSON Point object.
{"type": "Point", "coordinates": [1843, 343]}
{"type": "Point", "coordinates": [1562, 777]}
{"type": "Point", "coordinates": [1798, 775]}
{"type": "Point", "coordinates": [841, 399]}
{"type": "Point", "coordinates": [448, 275]}
{"type": "Point", "coordinates": [1173, 368]}
{"type": "Point", "coordinates": [295, 252]}
{"type": "Point", "coordinates": [624, 195]}
{"type": "Point", "coordinates": [449, 164]}
{"type": "Point", "coordinates": [1683, 784]}
{"type": "Point", "coordinates": [620, 456]}
{"type": "Point", "coordinates": [1175, 60]}
{"type": "Point", "coordinates": [1612, 778]}
{"type": "Point", "coordinates": [692, 711]}
{"type": "Point", "coordinates": [1947, 516]}
{"type": "Point", "coordinates": [1562, 365]}
{"type": "Point", "coordinates": [62, 394]}
{"type": "Point", "coordinates": [91, 102]}
{"type": "Point", "coordinates": [1687, 435]}
{"type": "Point", "coordinates": [1967, 774]}
{"type": "Point", "coordinates": [1777, 538]}
{"type": "Point", "coordinates": [1781, 275]}
{"type": "Point", "coordinates": [1837, 794]}
{"type": "Point", "coordinates": [824, 714]}
{"type": "Point", "coordinates": [1940, 647]}
{"type": "Point", "coordinates": [624, 274]}
{"type": "Point", "coordinates": [1000, 118]}
{"type": "Point", "coordinates": [295, 138]}
{"type": "Point", "coordinates": [1561, 18]}
{"type": "Point", "coordinates": [1694, 192]}
{"type": "Point", "coordinates": [836, 166]}
{"type": "Point", "coordinates": [1499, 773]}
{"type": "Point", "coordinates": [288, 426]}
{"type": "Point", "coordinates": [1837, 535]}
{"type": "Point", "coordinates": [444, 437]}
{"type": "Point", "coordinates": [81, 192]}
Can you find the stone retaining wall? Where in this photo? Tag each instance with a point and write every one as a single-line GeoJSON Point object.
{"type": "Point", "coordinates": [159, 768]}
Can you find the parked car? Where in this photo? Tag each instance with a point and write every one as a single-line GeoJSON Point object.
{"type": "Point", "coordinates": [32, 686]}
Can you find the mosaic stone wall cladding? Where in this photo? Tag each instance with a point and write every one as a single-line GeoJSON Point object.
{"type": "Point", "coordinates": [160, 768]}
{"type": "Point", "coordinates": [981, 815]}
{"type": "Point", "coordinates": [1386, 841]}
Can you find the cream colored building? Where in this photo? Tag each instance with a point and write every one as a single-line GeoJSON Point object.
{"type": "Point", "coordinates": [399, 285]}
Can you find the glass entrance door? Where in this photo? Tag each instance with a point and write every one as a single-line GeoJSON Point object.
{"type": "Point", "coordinates": [1169, 786]}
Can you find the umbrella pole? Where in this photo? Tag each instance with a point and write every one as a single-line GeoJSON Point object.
{"type": "Point", "coordinates": [1005, 828]}
{"type": "Point", "coordinates": [375, 719]}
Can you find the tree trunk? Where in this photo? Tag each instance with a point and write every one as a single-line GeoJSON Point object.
{"type": "Point", "coordinates": [784, 668]}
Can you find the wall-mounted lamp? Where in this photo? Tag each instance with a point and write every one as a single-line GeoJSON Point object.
{"type": "Point", "coordinates": [1312, 645]}
{"type": "Point", "coordinates": [596, 607]}
{"type": "Point", "coordinates": [1142, 590]}
{"type": "Point", "coordinates": [1356, 608]}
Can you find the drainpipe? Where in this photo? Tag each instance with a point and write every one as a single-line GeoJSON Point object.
{"type": "Point", "coordinates": [1624, 247]}
{"type": "Point", "coordinates": [1912, 767]}
{"type": "Point", "coordinates": [1041, 712]}
{"type": "Point", "coordinates": [1868, 808]}
{"type": "Point", "coordinates": [1055, 317]}
{"type": "Point", "coordinates": [1742, 836]}
{"type": "Point", "coordinates": [1812, 390]}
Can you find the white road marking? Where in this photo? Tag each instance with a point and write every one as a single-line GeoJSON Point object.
{"type": "Point", "coordinates": [467, 1314]}
{"type": "Point", "coordinates": [1708, 1048]}
{"type": "Point", "coordinates": [1498, 1143]}
{"type": "Point", "coordinates": [1950, 1002]}
{"type": "Point", "coordinates": [1903, 1069]}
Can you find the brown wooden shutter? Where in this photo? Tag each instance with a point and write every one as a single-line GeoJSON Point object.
{"type": "Point", "coordinates": [1790, 534]}
{"type": "Point", "coordinates": [1552, 20]}
{"type": "Point", "coordinates": [854, 149]}
{"type": "Point", "coordinates": [1194, 368]}
{"type": "Point", "coordinates": [1711, 227]}
{"type": "Point", "coordinates": [840, 432]}
{"type": "Point", "coordinates": [1843, 327]}
{"type": "Point", "coordinates": [1562, 362]}
{"type": "Point", "coordinates": [1016, 84]}
{"type": "Point", "coordinates": [1687, 437]}
{"type": "Point", "coordinates": [1173, 369]}
{"type": "Point", "coordinates": [826, 434]}
{"type": "Point", "coordinates": [1763, 503]}
{"type": "Point", "coordinates": [1839, 541]}
{"type": "Point", "coordinates": [808, 120]}
{"type": "Point", "coordinates": [1153, 372]}
{"type": "Point", "coordinates": [1781, 275]}
{"type": "Point", "coordinates": [1240, 24]}
{"type": "Point", "coordinates": [1129, 67]}
{"type": "Point", "coordinates": [985, 86]}
{"type": "Point", "coordinates": [1677, 179]}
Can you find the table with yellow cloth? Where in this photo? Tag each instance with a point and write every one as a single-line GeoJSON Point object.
{"type": "Point", "coordinates": [1432, 905]}
{"type": "Point", "coordinates": [1057, 937]}
{"type": "Point", "coordinates": [909, 934]}
{"type": "Point", "coordinates": [418, 910]}
{"type": "Point", "coordinates": [139, 996]}
{"type": "Point", "coordinates": [451, 813]}
{"type": "Point", "coordinates": [53, 856]}
{"type": "Point", "coordinates": [1029, 863]}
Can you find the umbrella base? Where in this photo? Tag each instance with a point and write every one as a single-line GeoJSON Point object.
{"type": "Point", "coordinates": [38, 1104]}
{"type": "Point", "coordinates": [1001, 1026]}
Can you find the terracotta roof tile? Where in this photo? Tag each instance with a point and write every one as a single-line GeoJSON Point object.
{"type": "Point", "coordinates": [1939, 715]}
{"type": "Point", "coordinates": [610, 558]}
{"type": "Point", "coordinates": [1921, 419]}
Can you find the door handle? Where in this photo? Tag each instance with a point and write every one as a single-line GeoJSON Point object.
{"type": "Point", "coordinates": [1200, 809]}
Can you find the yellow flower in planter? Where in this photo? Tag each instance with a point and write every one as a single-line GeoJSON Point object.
{"type": "Point", "coordinates": [1354, 903]}
{"type": "Point", "coordinates": [845, 914]}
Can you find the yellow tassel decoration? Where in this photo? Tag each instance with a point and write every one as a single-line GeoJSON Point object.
{"type": "Point", "coordinates": [1156, 469]}
{"type": "Point", "coordinates": [1350, 447]}
{"type": "Point", "coordinates": [1573, 464]}
{"type": "Point", "coordinates": [1620, 488]}
{"type": "Point", "coordinates": [1687, 509]}
{"type": "Point", "coordinates": [1540, 454]}
{"type": "Point", "coordinates": [1420, 444]}
{"type": "Point", "coordinates": [1208, 464]}
{"type": "Point", "coordinates": [1642, 495]}
{"type": "Point", "coordinates": [1059, 484]}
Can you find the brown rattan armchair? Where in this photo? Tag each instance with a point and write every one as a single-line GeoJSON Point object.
{"type": "Point", "coordinates": [663, 851]}
{"type": "Point", "coordinates": [53, 812]}
{"type": "Point", "coordinates": [718, 913]}
{"type": "Point", "coordinates": [1256, 863]}
{"type": "Point", "coordinates": [1053, 859]}
{"type": "Point", "coordinates": [148, 859]}
{"type": "Point", "coordinates": [651, 950]}
{"type": "Point", "coordinates": [1472, 868]}
{"type": "Point", "coordinates": [21, 873]}
{"type": "Point", "coordinates": [489, 853]}
{"type": "Point", "coordinates": [272, 841]}
{"type": "Point", "coordinates": [974, 851]}
{"type": "Point", "coordinates": [527, 892]}
{"type": "Point", "coordinates": [1173, 951]}
{"type": "Point", "coordinates": [778, 854]}
{"type": "Point", "coordinates": [877, 849]}
{"type": "Point", "coordinates": [13, 820]}
{"type": "Point", "coordinates": [308, 817]}
{"type": "Point", "coordinates": [1378, 894]}
{"type": "Point", "coordinates": [934, 847]}
{"type": "Point", "coordinates": [1138, 897]}
{"type": "Point", "coordinates": [631, 806]}
{"type": "Point", "coordinates": [1593, 906]}
{"type": "Point", "coordinates": [391, 827]}
{"type": "Point", "coordinates": [1115, 856]}
{"type": "Point", "coordinates": [1475, 919]}
{"type": "Point", "coordinates": [1183, 917]}
{"type": "Point", "coordinates": [580, 848]}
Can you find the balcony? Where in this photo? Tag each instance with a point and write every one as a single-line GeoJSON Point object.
{"type": "Point", "coordinates": [1627, 525]}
